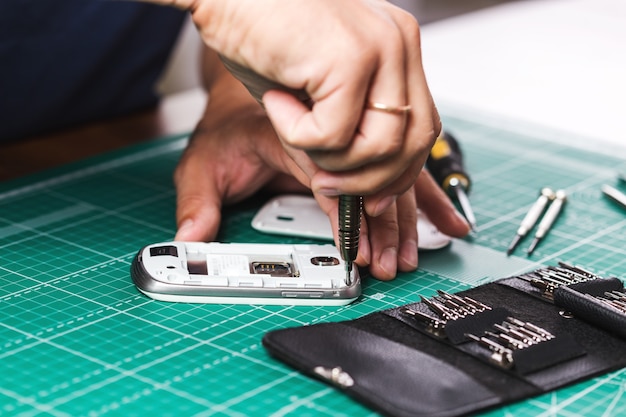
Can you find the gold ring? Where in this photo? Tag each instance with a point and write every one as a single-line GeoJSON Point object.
{"type": "Point", "coordinates": [389, 109]}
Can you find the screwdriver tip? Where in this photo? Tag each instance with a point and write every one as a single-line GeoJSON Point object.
{"type": "Point", "coordinates": [532, 246]}
{"type": "Point", "coordinates": [513, 244]}
{"type": "Point", "coordinates": [348, 274]}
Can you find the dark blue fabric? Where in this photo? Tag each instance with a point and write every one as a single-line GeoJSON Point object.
{"type": "Point", "coordinates": [65, 62]}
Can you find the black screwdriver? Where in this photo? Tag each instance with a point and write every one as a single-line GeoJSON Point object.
{"type": "Point", "coordinates": [350, 210]}
{"type": "Point", "coordinates": [445, 164]}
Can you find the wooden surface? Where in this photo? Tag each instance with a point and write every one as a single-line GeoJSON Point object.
{"type": "Point", "coordinates": [175, 114]}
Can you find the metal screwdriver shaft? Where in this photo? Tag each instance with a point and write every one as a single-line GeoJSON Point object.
{"type": "Point", "coordinates": [350, 208]}
{"type": "Point", "coordinates": [615, 194]}
{"type": "Point", "coordinates": [548, 219]}
{"type": "Point", "coordinates": [459, 191]}
{"type": "Point", "coordinates": [531, 217]}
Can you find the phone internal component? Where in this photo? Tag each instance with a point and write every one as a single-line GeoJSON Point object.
{"type": "Point", "coordinates": [275, 269]}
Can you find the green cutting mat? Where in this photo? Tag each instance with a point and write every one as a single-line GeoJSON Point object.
{"type": "Point", "coordinates": [77, 339]}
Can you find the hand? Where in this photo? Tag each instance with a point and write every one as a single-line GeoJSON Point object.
{"type": "Point", "coordinates": [234, 152]}
{"type": "Point", "coordinates": [344, 55]}
{"type": "Point", "coordinates": [230, 160]}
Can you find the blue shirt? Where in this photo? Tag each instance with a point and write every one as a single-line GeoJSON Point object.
{"type": "Point", "coordinates": [66, 62]}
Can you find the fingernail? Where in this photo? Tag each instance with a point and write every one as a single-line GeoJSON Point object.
{"type": "Point", "coordinates": [328, 192]}
{"type": "Point", "coordinates": [408, 253]}
{"type": "Point", "coordinates": [184, 229]}
{"type": "Point", "coordinates": [383, 205]}
{"type": "Point", "coordinates": [388, 261]}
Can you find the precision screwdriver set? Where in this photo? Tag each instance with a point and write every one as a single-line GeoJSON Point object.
{"type": "Point", "coordinates": [455, 354]}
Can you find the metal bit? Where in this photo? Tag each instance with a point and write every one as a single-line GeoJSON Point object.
{"type": "Point", "coordinates": [555, 277]}
{"type": "Point", "coordinates": [441, 310]}
{"type": "Point", "coordinates": [615, 299]}
{"type": "Point", "coordinates": [513, 343]}
{"type": "Point", "coordinates": [617, 295]}
{"type": "Point", "coordinates": [516, 334]}
{"type": "Point", "coordinates": [531, 217]}
{"type": "Point", "coordinates": [548, 219]}
{"type": "Point", "coordinates": [579, 271]}
{"type": "Point", "coordinates": [433, 325]}
{"type": "Point", "coordinates": [459, 309]}
{"type": "Point", "coordinates": [501, 355]}
{"type": "Point", "coordinates": [539, 330]}
{"type": "Point", "coordinates": [613, 303]}
{"type": "Point", "coordinates": [480, 306]}
{"type": "Point", "coordinates": [547, 288]}
{"type": "Point", "coordinates": [564, 274]}
{"type": "Point", "coordinates": [545, 284]}
{"type": "Point", "coordinates": [468, 304]}
{"type": "Point", "coordinates": [536, 337]}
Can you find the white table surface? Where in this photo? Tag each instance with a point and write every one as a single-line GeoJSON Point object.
{"type": "Point", "coordinates": [557, 65]}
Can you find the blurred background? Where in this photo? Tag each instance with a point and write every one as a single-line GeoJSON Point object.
{"type": "Point", "coordinates": [183, 74]}
{"type": "Point", "coordinates": [548, 65]}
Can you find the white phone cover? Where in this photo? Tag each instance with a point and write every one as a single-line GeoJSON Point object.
{"type": "Point", "coordinates": [300, 215]}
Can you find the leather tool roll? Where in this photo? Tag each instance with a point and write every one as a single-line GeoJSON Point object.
{"type": "Point", "coordinates": [395, 364]}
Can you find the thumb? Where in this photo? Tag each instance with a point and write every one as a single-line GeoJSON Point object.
{"type": "Point", "coordinates": [198, 202]}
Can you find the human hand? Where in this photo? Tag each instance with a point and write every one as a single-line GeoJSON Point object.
{"type": "Point", "coordinates": [235, 152]}
{"type": "Point", "coordinates": [344, 55]}
{"type": "Point", "coordinates": [231, 160]}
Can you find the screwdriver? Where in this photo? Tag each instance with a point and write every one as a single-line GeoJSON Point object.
{"type": "Point", "coordinates": [548, 219]}
{"type": "Point", "coordinates": [350, 209]}
{"type": "Point", "coordinates": [546, 196]}
{"type": "Point", "coordinates": [445, 163]}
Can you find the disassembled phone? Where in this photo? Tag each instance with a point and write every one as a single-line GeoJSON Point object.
{"type": "Point", "coordinates": [300, 215]}
{"type": "Point", "coordinates": [244, 273]}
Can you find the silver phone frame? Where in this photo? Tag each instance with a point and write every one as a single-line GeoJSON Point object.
{"type": "Point", "coordinates": [176, 292]}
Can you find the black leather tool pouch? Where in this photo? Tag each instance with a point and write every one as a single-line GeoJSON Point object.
{"type": "Point", "coordinates": [401, 364]}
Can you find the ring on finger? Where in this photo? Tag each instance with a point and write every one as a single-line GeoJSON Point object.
{"type": "Point", "coordinates": [372, 105]}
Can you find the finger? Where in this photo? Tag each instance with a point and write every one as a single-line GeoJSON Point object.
{"type": "Point", "coordinates": [198, 201]}
{"type": "Point", "coordinates": [328, 125]}
{"type": "Point", "coordinates": [407, 226]}
{"type": "Point", "coordinates": [424, 124]}
{"type": "Point", "coordinates": [366, 148]}
{"type": "Point", "coordinates": [438, 207]}
{"type": "Point", "coordinates": [364, 257]}
{"type": "Point", "coordinates": [384, 241]}
{"type": "Point", "coordinates": [380, 183]}
{"type": "Point", "coordinates": [380, 133]}
{"type": "Point", "coordinates": [368, 70]}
